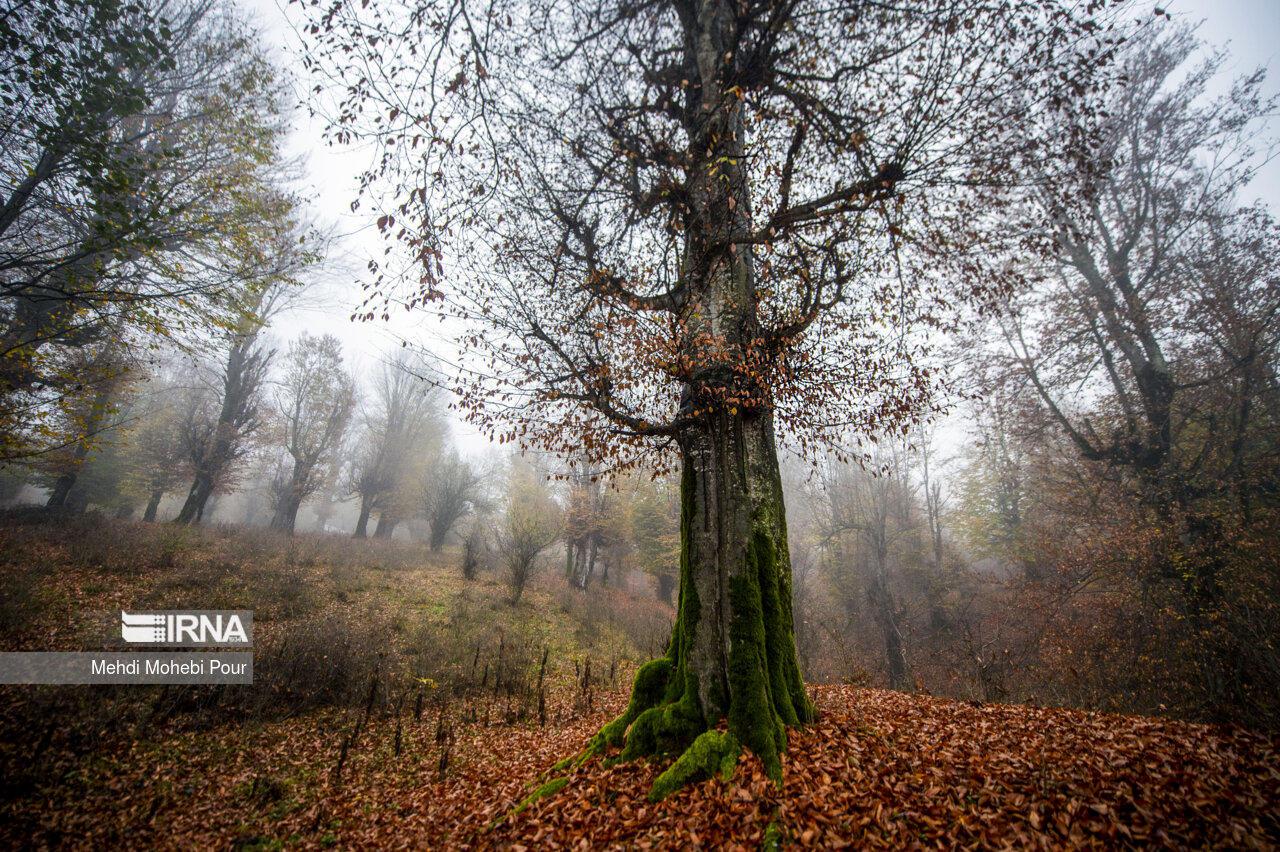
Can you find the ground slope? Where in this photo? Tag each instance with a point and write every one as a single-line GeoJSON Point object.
{"type": "Point", "coordinates": [888, 769]}
{"type": "Point", "coordinates": [880, 769]}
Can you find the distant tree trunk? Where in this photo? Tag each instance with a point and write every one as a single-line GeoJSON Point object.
{"type": "Point", "coordinates": [886, 618]}
{"type": "Point", "coordinates": [61, 490]}
{"type": "Point", "coordinates": [439, 532]}
{"type": "Point", "coordinates": [286, 513]}
{"type": "Point", "coordinates": [590, 571]}
{"type": "Point", "coordinates": [285, 516]}
{"type": "Point", "coordinates": [98, 410]}
{"type": "Point", "coordinates": [362, 524]}
{"type": "Point", "coordinates": [666, 587]}
{"type": "Point", "coordinates": [153, 505]}
{"type": "Point", "coordinates": [386, 525]}
{"type": "Point", "coordinates": [193, 509]}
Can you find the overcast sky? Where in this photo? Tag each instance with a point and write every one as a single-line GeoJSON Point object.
{"type": "Point", "coordinates": [1248, 29]}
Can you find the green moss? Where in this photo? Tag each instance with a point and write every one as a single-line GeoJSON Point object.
{"type": "Point", "coordinates": [555, 785]}
{"type": "Point", "coordinates": [753, 715]}
{"type": "Point", "coordinates": [712, 753]}
{"type": "Point", "coordinates": [760, 692]}
{"type": "Point", "coordinates": [647, 691]}
{"type": "Point", "coordinates": [773, 837]}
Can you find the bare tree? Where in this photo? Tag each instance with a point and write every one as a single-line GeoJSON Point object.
{"type": "Point", "coordinates": [400, 428]}
{"type": "Point", "coordinates": [315, 401]}
{"type": "Point", "coordinates": [530, 524]}
{"type": "Point", "coordinates": [673, 227]}
{"type": "Point", "coordinates": [584, 522]}
{"type": "Point", "coordinates": [1130, 318]}
{"type": "Point", "coordinates": [863, 524]}
{"type": "Point", "coordinates": [453, 491]}
{"type": "Point", "coordinates": [217, 432]}
{"type": "Point", "coordinates": [475, 550]}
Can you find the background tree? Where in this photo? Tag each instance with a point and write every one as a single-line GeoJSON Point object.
{"type": "Point", "coordinates": [400, 427]}
{"type": "Point", "coordinates": [218, 429]}
{"type": "Point", "coordinates": [158, 457]}
{"type": "Point", "coordinates": [671, 226]}
{"type": "Point", "coordinates": [530, 524]}
{"type": "Point", "coordinates": [656, 524]}
{"type": "Point", "coordinates": [314, 402]}
{"type": "Point", "coordinates": [140, 185]}
{"type": "Point", "coordinates": [584, 522]}
{"type": "Point", "coordinates": [1148, 337]}
{"type": "Point", "coordinates": [87, 414]}
{"type": "Point", "coordinates": [863, 528]}
{"type": "Point", "coordinates": [454, 489]}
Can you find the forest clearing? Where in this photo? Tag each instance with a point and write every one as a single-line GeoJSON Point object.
{"type": "Point", "coordinates": [879, 768]}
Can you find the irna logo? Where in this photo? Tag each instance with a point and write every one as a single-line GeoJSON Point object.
{"type": "Point", "coordinates": [191, 627]}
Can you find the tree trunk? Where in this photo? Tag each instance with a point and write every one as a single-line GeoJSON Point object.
{"type": "Point", "coordinates": [362, 525]}
{"type": "Point", "coordinates": [193, 508]}
{"type": "Point", "coordinates": [386, 525]}
{"type": "Point", "coordinates": [285, 516]}
{"type": "Point", "coordinates": [732, 652]}
{"type": "Point", "coordinates": [591, 562]}
{"type": "Point", "coordinates": [291, 515]}
{"type": "Point", "coordinates": [439, 532]}
{"type": "Point", "coordinates": [61, 490]}
{"type": "Point", "coordinates": [153, 505]}
{"type": "Point", "coordinates": [887, 619]}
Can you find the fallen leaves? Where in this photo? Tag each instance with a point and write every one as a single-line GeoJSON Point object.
{"type": "Point", "coordinates": [887, 769]}
{"type": "Point", "coordinates": [879, 770]}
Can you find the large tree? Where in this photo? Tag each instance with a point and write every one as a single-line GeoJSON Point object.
{"type": "Point", "coordinates": [138, 182]}
{"type": "Point", "coordinates": [675, 227]}
{"type": "Point", "coordinates": [1148, 333]}
{"type": "Point", "coordinates": [314, 403]}
{"type": "Point", "coordinates": [401, 424]}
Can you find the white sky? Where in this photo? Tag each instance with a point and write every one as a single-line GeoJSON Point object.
{"type": "Point", "coordinates": [1249, 29]}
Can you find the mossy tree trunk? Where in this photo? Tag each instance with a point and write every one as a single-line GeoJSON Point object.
{"type": "Point", "coordinates": [732, 653]}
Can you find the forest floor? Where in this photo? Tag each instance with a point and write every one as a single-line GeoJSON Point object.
{"type": "Point", "coordinates": [880, 769]}
{"type": "Point", "coordinates": [334, 745]}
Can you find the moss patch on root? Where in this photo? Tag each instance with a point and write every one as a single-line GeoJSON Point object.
{"type": "Point", "coordinates": [650, 685]}
{"type": "Point", "coordinates": [555, 785]}
{"type": "Point", "coordinates": [713, 753]}
{"type": "Point", "coordinates": [773, 837]}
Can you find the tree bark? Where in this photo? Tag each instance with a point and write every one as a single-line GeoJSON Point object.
{"type": "Point", "coordinates": [439, 532]}
{"type": "Point", "coordinates": [285, 516]}
{"type": "Point", "coordinates": [386, 525]}
{"type": "Point", "coordinates": [61, 490]}
{"type": "Point", "coordinates": [886, 617]}
{"type": "Point", "coordinates": [193, 509]}
{"type": "Point", "coordinates": [732, 652]}
{"type": "Point", "coordinates": [153, 505]}
{"type": "Point", "coordinates": [362, 524]}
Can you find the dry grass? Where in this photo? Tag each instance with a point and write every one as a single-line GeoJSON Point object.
{"type": "Point", "coordinates": [338, 624]}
